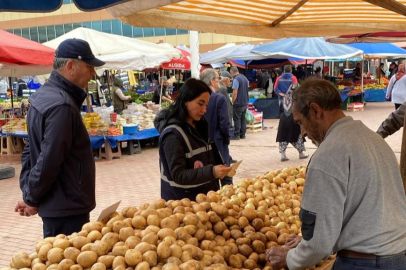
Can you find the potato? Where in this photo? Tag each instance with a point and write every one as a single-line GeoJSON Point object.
{"type": "Point", "coordinates": [94, 235]}
{"type": "Point", "coordinates": [170, 222]}
{"type": "Point", "coordinates": [209, 235]}
{"type": "Point", "coordinates": [79, 241]}
{"type": "Point", "coordinates": [200, 234]}
{"type": "Point", "coordinates": [170, 266]}
{"type": "Point", "coordinates": [61, 243]}
{"type": "Point", "coordinates": [119, 250]}
{"type": "Point", "coordinates": [132, 242]}
{"type": "Point", "coordinates": [133, 257]}
{"type": "Point", "coordinates": [219, 227]}
{"type": "Point", "coordinates": [111, 239]}
{"type": "Point", "coordinates": [250, 264]}
{"type": "Point", "coordinates": [150, 238]}
{"type": "Point", "coordinates": [21, 260]}
{"type": "Point", "coordinates": [98, 266]}
{"type": "Point", "coordinates": [139, 222]}
{"type": "Point", "coordinates": [106, 230]}
{"type": "Point", "coordinates": [143, 247]}
{"type": "Point", "coordinates": [65, 264]}
{"type": "Point", "coordinates": [86, 247]}
{"type": "Point", "coordinates": [76, 267]}
{"type": "Point", "coordinates": [107, 260]}
{"type": "Point", "coordinates": [182, 234]}
{"type": "Point", "coordinates": [166, 232]}
{"type": "Point", "coordinates": [43, 251]}
{"type": "Point", "coordinates": [219, 209]}
{"type": "Point", "coordinates": [203, 216]}
{"type": "Point", "coordinates": [176, 251]}
{"type": "Point", "coordinates": [119, 261]}
{"type": "Point", "coordinates": [245, 250]}
{"type": "Point", "coordinates": [142, 266]}
{"type": "Point", "coordinates": [55, 255]}
{"type": "Point", "coordinates": [93, 225]}
{"type": "Point", "coordinates": [87, 258]}
{"type": "Point", "coordinates": [164, 250]}
{"type": "Point", "coordinates": [258, 246]}
{"type": "Point", "coordinates": [151, 257]}
{"type": "Point", "coordinates": [40, 244]}
{"type": "Point", "coordinates": [125, 233]}
{"type": "Point", "coordinates": [100, 247]}
{"type": "Point", "coordinates": [35, 261]}
{"type": "Point", "coordinates": [71, 253]}
{"type": "Point", "coordinates": [53, 266]}
{"type": "Point", "coordinates": [39, 266]}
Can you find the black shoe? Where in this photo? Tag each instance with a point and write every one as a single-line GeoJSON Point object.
{"type": "Point", "coordinates": [242, 137]}
{"type": "Point", "coordinates": [232, 160]}
{"type": "Point", "coordinates": [234, 138]}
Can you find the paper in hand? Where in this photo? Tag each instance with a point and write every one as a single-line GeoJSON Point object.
{"type": "Point", "coordinates": [108, 211]}
{"type": "Point", "coordinates": [234, 168]}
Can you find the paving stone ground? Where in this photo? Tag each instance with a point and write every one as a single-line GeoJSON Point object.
{"type": "Point", "coordinates": [135, 179]}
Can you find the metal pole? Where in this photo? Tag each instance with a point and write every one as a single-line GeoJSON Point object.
{"type": "Point", "coordinates": [11, 88]}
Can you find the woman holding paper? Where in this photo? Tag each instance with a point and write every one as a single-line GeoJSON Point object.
{"type": "Point", "coordinates": [189, 162]}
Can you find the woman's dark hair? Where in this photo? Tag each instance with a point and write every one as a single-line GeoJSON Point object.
{"type": "Point", "coordinates": [190, 90]}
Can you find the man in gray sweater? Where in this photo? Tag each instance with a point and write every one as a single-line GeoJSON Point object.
{"type": "Point", "coordinates": [353, 201]}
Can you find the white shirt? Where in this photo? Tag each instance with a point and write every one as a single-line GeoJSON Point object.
{"type": "Point", "coordinates": [397, 89]}
{"type": "Point", "coordinates": [3, 86]}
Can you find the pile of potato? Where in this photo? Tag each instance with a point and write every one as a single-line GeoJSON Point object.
{"type": "Point", "coordinates": [228, 229]}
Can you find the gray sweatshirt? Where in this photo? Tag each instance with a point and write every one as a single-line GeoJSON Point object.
{"type": "Point", "coordinates": [393, 123]}
{"type": "Point", "coordinates": [355, 193]}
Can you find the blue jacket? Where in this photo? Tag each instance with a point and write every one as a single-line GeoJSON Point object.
{"type": "Point", "coordinates": [219, 124]}
{"type": "Point", "coordinates": [186, 159]}
{"type": "Point", "coordinates": [58, 170]}
{"type": "Point", "coordinates": [283, 82]}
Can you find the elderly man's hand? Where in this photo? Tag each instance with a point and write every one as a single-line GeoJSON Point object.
{"type": "Point", "coordinates": [293, 240]}
{"type": "Point", "coordinates": [277, 257]}
{"type": "Point", "coordinates": [25, 210]}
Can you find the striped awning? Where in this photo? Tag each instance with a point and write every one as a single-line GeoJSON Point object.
{"type": "Point", "coordinates": [269, 19]}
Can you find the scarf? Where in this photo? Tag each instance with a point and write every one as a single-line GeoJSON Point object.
{"type": "Point", "coordinates": [287, 99]}
{"type": "Point", "coordinates": [401, 72]}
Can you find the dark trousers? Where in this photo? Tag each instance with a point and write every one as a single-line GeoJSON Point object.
{"type": "Point", "coordinates": [397, 262]}
{"type": "Point", "coordinates": [240, 127]}
{"type": "Point", "coordinates": [63, 225]}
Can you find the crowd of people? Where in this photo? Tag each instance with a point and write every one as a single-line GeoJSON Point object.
{"type": "Point", "coordinates": [353, 203]}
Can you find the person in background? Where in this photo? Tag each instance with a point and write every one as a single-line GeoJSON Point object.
{"type": "Point", "coordinates": [3, 86]}
{"type": "Point", "coordinates": [317, 73]}
{"type": "Point", "coordinates": [393, 122]}
{"type": "Point", "coordinates": [380, 72]}
{"type": "Point", "coordinates": [119, 99]}
{"type": "Point", "coordinates": [22, 85]}
{"type": "Point", "coordinates": [240, 103]}
{"type": "Point", "coordinates": [393, 69]}
{"type": "Point", "coordinates": [165, 94]}
{"type": "Point", "coordinates": [288, 130]}
{"type": "Point", "coordinates": [225, 83]}
{"type": "Point", "coordinates": [344, 193]}
{"type": "Point", "coordinates": [301, 74]}
{"type": "Point", "coordinates": [397, 87]}
{"type": "Point", "coordinates": [357, 74]}
{"type": "Point", "coordinates": [188, 163]}
{"type": "Point", "coordinates": [57, 177]}
{"type": "Point", "coordinates": [217, 117]}
{"type": "Point", "coordinates": [282, 84]}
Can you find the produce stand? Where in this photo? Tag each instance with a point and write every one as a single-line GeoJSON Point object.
{"type": "Point", "coordinates": [220, 230]}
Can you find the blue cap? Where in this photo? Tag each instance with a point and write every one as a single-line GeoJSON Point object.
{"type": "Point", "coordinates": [74, 48]}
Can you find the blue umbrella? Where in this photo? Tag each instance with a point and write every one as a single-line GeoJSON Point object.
{"type": "Point", "coordinates": [381, 50]}
{"type": "Point", "coordinates": [52, 5]}
{"type": "Point", "coordinates": [306, 48]}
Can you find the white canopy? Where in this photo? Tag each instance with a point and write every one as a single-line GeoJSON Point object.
{"type": "Point", "coordinates": [121, 52]}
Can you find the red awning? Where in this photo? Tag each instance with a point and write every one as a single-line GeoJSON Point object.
{"type": "Point", "coordinates": [21, 51]}
{"type": "Point", "coordinates": [182, 63]}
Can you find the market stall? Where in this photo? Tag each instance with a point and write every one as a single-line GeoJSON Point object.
{"type": "Point", "coordinates": [220, 230]}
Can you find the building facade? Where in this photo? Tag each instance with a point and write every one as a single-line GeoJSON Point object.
{"type": "Point", "coordinates": [43, 27]}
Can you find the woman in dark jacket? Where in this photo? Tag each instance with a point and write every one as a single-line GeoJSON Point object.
{"type": "Point", "coordinates": [190, 164]}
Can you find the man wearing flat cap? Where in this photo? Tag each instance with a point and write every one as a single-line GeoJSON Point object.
{"type": "Point", "coordinates": [58, 171]}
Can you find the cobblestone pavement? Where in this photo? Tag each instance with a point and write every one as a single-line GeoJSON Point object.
{"type": "Point", "coordinates": [135, 179]}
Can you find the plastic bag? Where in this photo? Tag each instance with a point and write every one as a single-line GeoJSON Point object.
{"type": "Point", "coordinates": [249, 117]}
{"type": "Point", "coordinates": [32, 84]}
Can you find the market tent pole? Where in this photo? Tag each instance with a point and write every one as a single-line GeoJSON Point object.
{"type": "Point", "coordinates": [11, 88]}
{"type": "Point", "coordinates": [379, 75]}
{"type": "Point", "coordinates": [306, 70]}
{"type": "Point", "coordinates": [161, 85]}
{"type": "Point", "coordinates": [362, 80]}
{"type": "Point", "coordinates": [403, 155]}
